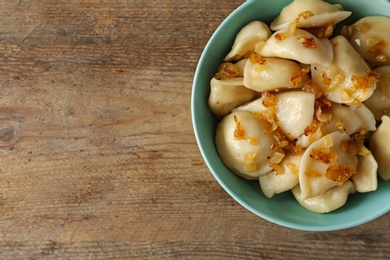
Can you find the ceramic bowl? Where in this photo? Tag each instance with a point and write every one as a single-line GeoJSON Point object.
{"type": "Point", "coordinates": [282, 209]}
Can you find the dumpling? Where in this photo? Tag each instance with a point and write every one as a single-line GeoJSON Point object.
{"type": "Point", "coordinates": [370, 36]}
{"type": "Point", "coordinates": [348, 119]}
{"type": "Point", "coordinates": [299, 45]}
{"type": "Point", "coordinates": [274, 183]}
{"type": "Point", "coordinates": [294, 111]}
{"type": "Point", "coordinates": [309, 13]}
{"type": "Point", "coordinates": [254, 106]}
{"type": "Point", "coordinates": [325, 165]}
{"type": "Point", "coordinates": [273, 73]}
{"type": "Point", "coordinates": [227, 94]}
{"type": "Point", "coordinates": [240, 65]}
{"type": "Point", "coordinates": [366, 179]}
{"type": "Point", "coordinates": [379, 102]}
{"type": "Point", "coordinates": [247, 38]}
{"type": "Point", "coordinates": [243, 145]}
{"type": "Point", "coordinates": [328, 201]}
{"type": "Point", "coordinates": [379, 145]}
{"type": "Point", "coordinates": [348, 79]}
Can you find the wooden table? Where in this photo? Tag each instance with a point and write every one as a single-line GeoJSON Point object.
{"type": "Point", "coordinates": [98, 158]}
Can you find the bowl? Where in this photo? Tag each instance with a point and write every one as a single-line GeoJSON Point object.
{"type": "Point", "coordinates": [282, 209]}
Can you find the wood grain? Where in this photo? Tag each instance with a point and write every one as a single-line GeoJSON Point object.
{"type": "Point", "coordinates": [97, 154]}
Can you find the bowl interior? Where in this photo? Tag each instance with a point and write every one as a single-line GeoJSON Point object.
{"type": "Point", "coordinates": [282, 209]}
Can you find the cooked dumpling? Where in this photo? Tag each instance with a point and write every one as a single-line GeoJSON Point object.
{"type": "Point", "coordinates": [274, 182]}
{"type": "Point", "coordinates": [370, 36]}
{"type": "Point", "coordinates": [294, 111]}
{"type": "Point", "coordinates": [348, 79]}
{"type": "Point", "coordinates": [366, 179]}
{"type": "Point", "coordinates": [255, 106]}
{"type": "Point", "coordinates": [348, 119]}
{"type": "Point", "coordinates": [325, 164]}
{"type": "Point", "coordinates": [273, 73]}
{"type": "Point", "coordinates": [328, 201]}
{"type": "Point", "coordinates": [247, 38]}
{"type": "Point", "coordinates": [380, 147]}
{"type": "Point", "coordinates": [379, 102]}
{"type": "Point", "coordinates": [300, 45]}
{"type": "Point", "coordinates": [227, 94]}
{"type": "Point", "coordinates": [240, 65]}
{"type": "Point", "coordinates": [309, 13]}
{"type": "Point", "coordinates": [243, 145]}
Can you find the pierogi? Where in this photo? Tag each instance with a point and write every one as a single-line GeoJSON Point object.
{"type": "Point", "coordinates": [379, 102]}
{"type": "Point", "coordinates": [366, 177]}
{"type": "Point", "coordinates": [273, 183]}
{"type": "Point", "coordinates": [348, 79]}
{"type": "Point", "coordinates": [293, 111]}
{"type": "Point", "coordinates": [301, 46]}
{"type": "Point", "coordinates": [328, 201]}
{"type": "Point", "coordinates": [305, 110]}
{"type": "Point", "coordinates": [380, 147]}
{"type": "Point", "coordinates": [370, 36]}
{"type": "Point", "coordinates": [243, 145]}
{"type": "Point", "coordinates": [349, 119]}
{"type": "Point", "coordinates": [247, 39]}
{"type": "Point", "coordinates": [269, 74]}
{"type": "Point", "coordinates": [309, 13]}
{"type": "Point", "coordinates": [227, 94]}
{"type": "Point", "coordinates": [325, 164]}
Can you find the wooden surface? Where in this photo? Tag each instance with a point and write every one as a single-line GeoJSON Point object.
{"type": "Point", "coordinates": [98, 159]}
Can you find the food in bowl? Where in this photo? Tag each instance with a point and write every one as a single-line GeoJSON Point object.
{"type": "Point", "coordinates": [291, 103]}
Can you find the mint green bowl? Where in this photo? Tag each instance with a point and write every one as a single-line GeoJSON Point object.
{"type": "Point", "coordinates": [282, 209]}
